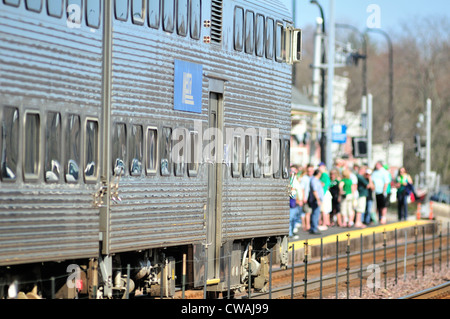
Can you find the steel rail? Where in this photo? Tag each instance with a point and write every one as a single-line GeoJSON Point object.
{"type": "Point", "coordinates": [433, 291]}
{"type": "Point", "coordinates": [354, 272]}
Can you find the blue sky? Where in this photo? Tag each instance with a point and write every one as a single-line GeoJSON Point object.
{"type": "Point", "coordinates": [354, 12]}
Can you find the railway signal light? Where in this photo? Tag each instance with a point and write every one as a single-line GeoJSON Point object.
{"type": "Point", "coordinates": [359, 147]}
{"type": "Point", "coordinates": [419, 147]}
{"type": "Point", "coordinates": [417, 144]}
{"type": "Point", "coordinates": [353, 58]}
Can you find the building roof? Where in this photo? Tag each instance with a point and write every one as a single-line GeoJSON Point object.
{"type": "Point", "coordinates": [301, 103]}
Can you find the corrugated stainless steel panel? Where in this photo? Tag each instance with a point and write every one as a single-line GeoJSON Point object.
{"type": "Point", "coordinates": [166, 211]}
{"type": "Point", "coordinates": [254, 208]}
{"type": "Point", "coordinates": [38, 225]}
{"type": "Point", "coordinates": [157, 212]}
{"type": "Point", "coordinates": [46, 61]}
{"type": "Point", "coordinates": [44, 65]}
{"type": "Point", "coordinates": [257, 95]}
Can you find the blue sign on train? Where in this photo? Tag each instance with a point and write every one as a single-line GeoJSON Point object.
{"type": "Point", "coordinates": [188, 86]}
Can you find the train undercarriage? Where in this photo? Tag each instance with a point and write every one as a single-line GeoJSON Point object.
{"type": "Point", "coordinates": [153, 273]}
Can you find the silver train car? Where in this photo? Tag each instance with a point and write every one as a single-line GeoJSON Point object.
{"type": "Point", "coordinates": [139, 132]}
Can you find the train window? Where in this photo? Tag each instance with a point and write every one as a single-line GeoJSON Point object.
{"type": "Point", "coordinates": [269, 40]}
{"type": "Point", "coordinates": [196, 18]}
{"type": "Point", "coordinates": [279, 42]}
{"type": "Point", "coordinates": [138, 11]}
{"type": "Point", "coordinates": [136, 150]}
{"type": "Point", "coordinates": [74, 11]}
{"type": "Point", "coordinates": [93, 10]}
{"type": "Point", "coordinates": [267, 159]}
{"type": "Point", "coordinates": [121, 9]}
{"type": "Point", "coordinates": [10, 143]}
{"type": "Point", "coordinates": [154, 13]}
{"type": "Point", "coordinates": [14, 3]}
{"type": "Point", "coordinates": [33, 5]}
{"type": "Point", "coordinates": [182, 17]}
{"type": "Point", "coordinates": [286, 151]}
{"type": "Point", "coordinates": [194, 154]}
{"type": "Point", "coordinates": [73, 139]}
{"type": "Point", "coordinates": [119, 149]}
{"type": "Point", "coordinates": [152, 151]}
{"type": "Point", "coordinates": [91, 151]}
{"type": "Point", "coordinates": [276, 158]}
{"type": "Point", "coordinates": [32, 146]}
{"type": "Point", "coordinates": [166, 150]}
{"type": "Point", "coordinates": [55, 8]}
{"type": "Point", "coordinates": [247, 170]}
{"type": "Point", "coordinates": [236, 160]}
{"type": "Point", "coordinates": [238, 28]}
{"type": "Point", "coordinates": [168, 15]}
{"type": "Point", "coordinates": [178, 151]}
{"type": "Point", "coordinates": [52, 166]}
{"type": "Point", "coordinates": [259, 34]}
{"type": "Point", "coordinates": [257, 157]}
{"type": "Point", "coordinates": [249, 32]}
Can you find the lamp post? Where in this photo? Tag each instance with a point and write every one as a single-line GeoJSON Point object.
{"type": "Point", "coordinates": [391, 87]}
{"type": "Point", "coordinates": [331, 57]}
{"type": "Point", "coordinates": [323, 137]}
{"type": "Point", "coordinates": [366, 116]}
{"type": "Point", "coordinates": [364, 57]}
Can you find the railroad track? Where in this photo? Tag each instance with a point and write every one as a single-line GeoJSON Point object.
{"type": "Point", "coordinates": [353, 271]}
{"type": "Point", "coordinates": [441, 291]}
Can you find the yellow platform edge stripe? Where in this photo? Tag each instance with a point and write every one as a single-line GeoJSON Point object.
{"type": "Point", "coordinates": [356, 233]}
{"type": "Point", "coordinates": [213, 281]}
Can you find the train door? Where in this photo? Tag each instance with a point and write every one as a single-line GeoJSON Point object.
{"type": "Point", "coordinates": [214, 210]}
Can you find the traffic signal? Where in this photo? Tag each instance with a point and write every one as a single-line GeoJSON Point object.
{"type": "Point", "coordinates": [359, 147]}
{"type": "Point", "coordinates": [354, 57]}
{"type": "Point", "coordinates": [417, 146]}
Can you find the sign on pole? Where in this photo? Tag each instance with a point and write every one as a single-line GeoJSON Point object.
{"type": "Point", "coordinates": [339, 134]}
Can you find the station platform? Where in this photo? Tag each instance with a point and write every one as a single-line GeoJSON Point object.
{"type": "Point", "coordinates": [341, 236]}
{"type": "Point", "coordinates": [332, 234]}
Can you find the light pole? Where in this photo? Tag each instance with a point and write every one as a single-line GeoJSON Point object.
{"type": "Point", "coordinates": [331, 57]}
{"type": "Point", "coordinates": [391, 87]}
{"type": "Point", "coordinates": [365, 116]}
{"type": "Point", "coordinates": [364, 56]}
{"type": "Point", "coordinates": [323, 137]}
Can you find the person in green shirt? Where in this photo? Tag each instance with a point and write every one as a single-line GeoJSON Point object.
{"type": "Point", "coordinates": [362, 197]}
{"type": "Point", "coordinates": [347, 203]}
{"type": "Point", "coordinates": [404, 182]}
{"type": "Point", "coordinates": [326, 207]}
{"type": "Point", "coordinates": [335, 217]}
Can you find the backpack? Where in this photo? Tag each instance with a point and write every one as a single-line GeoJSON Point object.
{"type": "Point", "coordinates": [311, 197]}
{"type": "Point", "coordinates": [292, 203]}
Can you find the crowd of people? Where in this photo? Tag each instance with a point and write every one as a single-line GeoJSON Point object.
{"type": "Point", "coordinates": [345, 196]}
